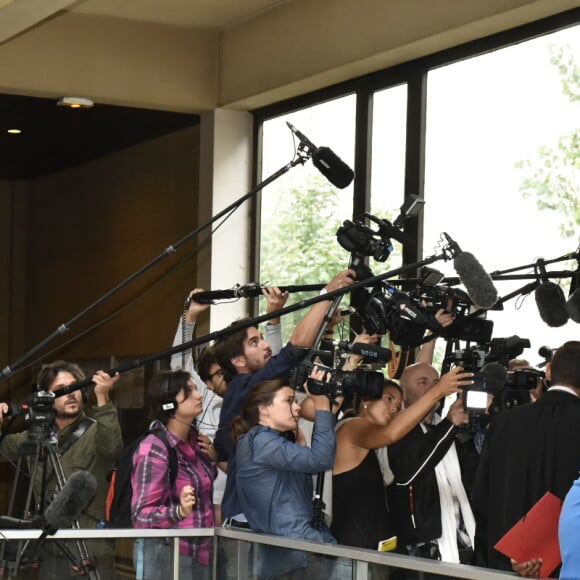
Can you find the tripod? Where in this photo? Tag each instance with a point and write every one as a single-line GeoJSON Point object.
{"type": "Point", "coordinates": [40, 451]}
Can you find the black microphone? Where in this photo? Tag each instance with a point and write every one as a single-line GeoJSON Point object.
{"type": "Point", "coordinates": [546, 353]}
{"type": "Point", "coordinates": [69, 502]}
{"type": "Point", "coordinates": [550, 299]}
{"type": "Point", "coordinates": [477, 281]}
{"type": "Point", "coordinates": [495, 375]}
{"type": "Point", "coordinates": [573, 304]}
{"type": "Point", "coordinates": [326, 161]}
{"type": "Point", "coordinates": [374, 351]}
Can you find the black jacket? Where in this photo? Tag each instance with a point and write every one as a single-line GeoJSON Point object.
{"type": "Point", "coordinates": [528, 451]}
{"type": "Point", "coordinates": [413, 497]}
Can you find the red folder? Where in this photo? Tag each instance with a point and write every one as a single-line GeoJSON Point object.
{"type": "Point", "coordinates": [536, 535]}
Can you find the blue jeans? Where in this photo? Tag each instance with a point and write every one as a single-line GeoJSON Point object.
{"type": "Point", "coordinates": [153, 559]}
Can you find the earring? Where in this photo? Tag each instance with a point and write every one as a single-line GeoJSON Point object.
{"type": "Point", "coordinates": [364, 406]}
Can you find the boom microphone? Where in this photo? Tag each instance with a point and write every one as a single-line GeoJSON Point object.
{"type": "Point", "coordinates": [550, 300]}
{"type": "Point", "coordinates": [70, 501]}
{"type": "Point", "coordinates": [64, 509]}
{"type": "Point", "coordinates": [477, 281]}
{"type": "Point", "coordinates": [326, 161]}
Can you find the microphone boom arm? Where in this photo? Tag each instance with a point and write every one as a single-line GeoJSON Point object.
{"type": "Point", "coordinates": [136, 363]}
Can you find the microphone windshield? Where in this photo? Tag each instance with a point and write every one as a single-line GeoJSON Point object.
{"type": "Point", "coordinates": [332, 167]}
{"type": "Point", "coordinates": [476, 280]}
{"type": "Point", "coordinates": [573, 306]}
{"type": "Point", "coordinates": [495, 376]}
{"type": "Point", "coordinates": [70, 501]}
{"type": "Point", "coordinates": [551, 304]}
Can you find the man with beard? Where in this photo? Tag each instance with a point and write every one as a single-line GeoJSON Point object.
{"type": "Point", "coordinates": [247, 358]}
{"type": "Point", "coordinates": [84, 443]}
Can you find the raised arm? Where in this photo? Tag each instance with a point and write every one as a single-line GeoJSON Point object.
{"type": "Point", "coordinates": [306, 330]}
{"type": "Point", "coordinates": [370, 437]}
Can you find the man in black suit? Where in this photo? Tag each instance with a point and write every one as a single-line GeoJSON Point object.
{"type": "Point", "coordinates": [529, 450]}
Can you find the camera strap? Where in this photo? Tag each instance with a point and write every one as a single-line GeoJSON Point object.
{"type": "Point", "coordinates": [79, 431]}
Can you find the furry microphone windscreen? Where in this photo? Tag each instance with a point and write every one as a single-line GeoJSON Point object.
{"type": "Point", "coordinates": [573, 306]}
{"type": "Point", "coordinates": [551, 304]}
{"type": "Point", "coordinates": [70, 501]}
{"type": "Point", "coordinates": [477, 281]}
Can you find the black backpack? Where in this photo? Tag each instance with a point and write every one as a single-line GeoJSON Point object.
{"type": "Point", "coordinates": [120, 494]}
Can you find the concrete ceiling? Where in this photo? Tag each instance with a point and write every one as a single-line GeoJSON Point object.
{"type": "Point", "coordinates": [17, 16]}
{"type": "Point", "coordinates": [214, 14]}
{"type": "Point", "coordinates": [54, 138]}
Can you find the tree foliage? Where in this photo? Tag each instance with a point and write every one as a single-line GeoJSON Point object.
{"type": "Point", "coordinates": [299, 240]}
{"type": "Point", "coordinates": [553, 177]}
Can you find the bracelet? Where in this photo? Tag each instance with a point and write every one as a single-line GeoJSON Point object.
{"type": "Point", "coordinates": [180, 513]}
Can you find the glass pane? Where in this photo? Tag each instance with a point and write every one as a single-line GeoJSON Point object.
{"type": "Point", "coordinates": [503, 167]}
{"type": "Point", "coordinates": [388, 162]}
{"type": "Point", "coordinates": [302, 210]}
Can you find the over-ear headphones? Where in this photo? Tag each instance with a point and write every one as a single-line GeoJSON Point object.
{"type": "Point", "coordinates": [168, 403]}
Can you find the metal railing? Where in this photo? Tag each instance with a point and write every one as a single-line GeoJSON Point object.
{"type": "Point", "coordinates": [362, 560]}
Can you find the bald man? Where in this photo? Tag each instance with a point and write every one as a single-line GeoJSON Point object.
{"type": "Point", "coordinates": [428, 504]}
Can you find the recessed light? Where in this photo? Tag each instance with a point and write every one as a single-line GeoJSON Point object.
{"type": "Point", "coordinates": [14, 131]}
{"type": "Point", "coordinates": [75, 102]}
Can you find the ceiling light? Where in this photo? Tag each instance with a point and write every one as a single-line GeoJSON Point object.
{"type": "Point", "coordinates": [15, 131]}
{"type": "Point", "coordinates": [75, 102]}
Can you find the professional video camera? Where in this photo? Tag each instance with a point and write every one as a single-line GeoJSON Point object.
{"type": "Point", "coordinates": [361, 382]}
{"type": "Point", "coordinates": [473, 358]}
{"type": "Point", "coordinates": [516, 391]}
{"type": "Point", "coordinates": [406, 315]}
{"type": "Point", "coordinates": [38, 415]}
{"type": "Point", "coordinates": [488, 362]}
{"type": "Point", "coordinates": [432, 296]}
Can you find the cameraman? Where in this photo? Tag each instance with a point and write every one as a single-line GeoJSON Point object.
{"type": "Point", "coordinates": [247, 357]}
{"type": "Point", "coordinates": [84, 443]}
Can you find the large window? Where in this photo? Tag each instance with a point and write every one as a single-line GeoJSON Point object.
{"type": "Point", "coordinates": [388, 160]}
{"type": "Point", "coordinates": [502, 171]}
{"type": "Point", "coordinates": [301, 211]}
{"type": "Point", "coordinates": [492, 141]}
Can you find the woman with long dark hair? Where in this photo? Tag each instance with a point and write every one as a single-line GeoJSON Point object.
{"type": "Point", "coordinates": [274, 475]}
{"type": "Point", "coordinates": [185, 502]}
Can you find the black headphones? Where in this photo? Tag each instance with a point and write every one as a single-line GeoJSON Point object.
{"type": "Point", "coordinates": [168, 403]}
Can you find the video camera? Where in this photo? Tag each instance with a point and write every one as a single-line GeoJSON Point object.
{"type": "Point", "coordinates": [39, 414]}
{"type": "Point", "coordinates": [361, 382]}
{"type": "Point", "coordinates": [406, 315]}
{"type": "Point", "coordinates": [489, 363]}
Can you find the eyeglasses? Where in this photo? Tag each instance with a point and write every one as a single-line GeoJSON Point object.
{"type": "Point", "coordinates": [219, 373]}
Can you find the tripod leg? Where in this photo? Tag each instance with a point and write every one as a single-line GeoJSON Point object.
{"type": "Point", "coordinates": [29, 448]}
{"type": "Point", "coordinates": [85, 562]}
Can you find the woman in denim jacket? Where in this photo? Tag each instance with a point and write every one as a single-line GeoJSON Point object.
{"type": "Point", "coordinates": [274, 475]}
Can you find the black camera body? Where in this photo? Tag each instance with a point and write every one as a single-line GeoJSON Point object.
{"type": "Point", "coordinates": [361, 383]}
{"type": "Point", "coordinates": [367, 384]}
{"type": "Point", "coordinates": [39, 415]}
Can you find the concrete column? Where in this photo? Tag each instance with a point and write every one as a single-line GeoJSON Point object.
{"type": "Point", "coordinates": [225, 176]}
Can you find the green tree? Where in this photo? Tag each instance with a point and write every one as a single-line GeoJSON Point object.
{"type": "Point", "coordinates": [553, 177]}
{"type": "Point", "coordinates": [298, 244]}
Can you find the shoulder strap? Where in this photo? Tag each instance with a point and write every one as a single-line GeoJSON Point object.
{"type": "Point", "coordinates": [76, 434]}
{"type": "Point", "coordinates": [172, 455]}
